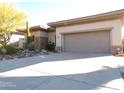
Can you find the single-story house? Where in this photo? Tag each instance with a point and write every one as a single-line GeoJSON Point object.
{"type": "Point", "coordinates": [16, 36]}
{"type": "Point", "coordinates": [100, 33]}
{"type": "Point", "coordinates": [41, 36]}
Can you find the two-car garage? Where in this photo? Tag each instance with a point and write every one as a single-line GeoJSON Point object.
{"type": "Point", "coordinates": [100, 33]}
{"type": "Point", "coordinates": [88, 42]}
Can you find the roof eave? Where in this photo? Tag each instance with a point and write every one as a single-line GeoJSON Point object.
{"type": "Point", "coordinates": [99, 17]}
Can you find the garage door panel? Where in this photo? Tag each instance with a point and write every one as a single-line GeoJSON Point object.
{"type": "Point", "coordinates": [90, 42]}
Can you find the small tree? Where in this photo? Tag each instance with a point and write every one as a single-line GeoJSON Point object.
{"type": "Point", "coordinates": [10, 20]}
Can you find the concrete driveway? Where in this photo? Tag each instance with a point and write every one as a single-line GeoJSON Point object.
{"type": "Point", "coordinates": [68, 71]}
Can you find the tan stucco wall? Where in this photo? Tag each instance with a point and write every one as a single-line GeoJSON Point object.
{"type": "Point", "coordinates": [122, 29]}
{"type": "Point", "coordinates": [113, 25]}
{"type": "Point", "coordinates": [35, 33]}
{"type": "Point", "coordinates": [40, 39]}
{"type": "Point", "coordinates": [51, 36]}
{"type": "Point", "coordinates": [39, 33]}
{"type": "Point", "coordinates": [43, 34]}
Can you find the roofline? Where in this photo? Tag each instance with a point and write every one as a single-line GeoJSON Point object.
{"type": "Point", "coordinates": [99, 17]}
{"type": "Point", "coordinates": [18, 33]}
{"type": "Point", "coordinates": [37, 28]}
{"type": "Point", "coordinates": [33, 29]}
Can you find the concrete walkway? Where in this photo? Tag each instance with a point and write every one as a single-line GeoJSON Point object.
{"type": "Point", "coordinates": [62, 71]}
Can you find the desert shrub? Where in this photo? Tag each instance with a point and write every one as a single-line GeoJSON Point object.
{"type": "Point", "coordinates": [1, 45]}
{"type": "Point", "coordinates": [11, 50]}
{"type": "Point", "coordinates": [31, 39]}
{"type": "Point", "coordinates": [8, 50]}
{"type": "Point", "coordinates": [31, 46]}
{"type": "Point", "coordinates": [50, 46]}
{"type": "Point", "coordinates": [3, 51]}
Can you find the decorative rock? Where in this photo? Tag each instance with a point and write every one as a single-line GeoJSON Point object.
{"type": "Point", "coordinates": [1, 57]}
{"type": "Point", "coordinates": [8, 57]}
{"type": "Point", "coordinates": [23, 54]}
{"type": "Point", "coordinates": [37, 50]}
{"type": "Point", "coordinates": [44, 51]}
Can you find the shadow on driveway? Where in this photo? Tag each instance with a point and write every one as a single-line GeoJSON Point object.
{"type": "Point", "coordinates": [18, 63]}
{"type": "Point", "coordinates": [82, 81]}
{"type": "Point", "coordinates": [78, 81]}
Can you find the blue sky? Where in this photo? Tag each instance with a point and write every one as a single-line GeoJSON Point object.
{"type": "Point", "coordinates": [39, 6]}
{"type": "Point", "coordinates": [41, 12]}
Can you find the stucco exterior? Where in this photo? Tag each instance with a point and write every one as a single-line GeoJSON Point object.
{"type": "Point", "coordinates": [112, 21]}
{"type": "Point", "coordinates": [39, 33]}
{"type": "Point", "coordinates": [113, 25]}
{"type": "Point", "coordinates": [15, 38]}
{"type": "Point", "coordinates": [40, 38]}
{"type": "Point", "coordinates": [52, 36]}
{"type": "Point", "coordinates": [35, 33]}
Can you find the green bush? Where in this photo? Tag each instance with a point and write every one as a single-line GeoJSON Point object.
{"type": "Point", "coordinates": [50, 46]}
{"type": "Point", "coordinates": [3, 51]}
{"type": "Point", "coordinates": [30, 39]}
{"type": "Point", "coordinates": [8, 49]}
{"type": "Point", "coordinates": [1, 48]}
{"type": "Point", "coordinates": [1, 45]}
{"type": "Point", "coordinates": [31, 46]}
{"type": "Point", "coordinates": [11, 50]}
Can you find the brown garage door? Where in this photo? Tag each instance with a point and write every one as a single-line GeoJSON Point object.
{"type": "Point", "coordinates": [88, 42]}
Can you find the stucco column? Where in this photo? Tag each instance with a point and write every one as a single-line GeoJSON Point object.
{"type": "Point", "coordinates": [59, 40]}
{"type": "Point", "coordinates": [122, 32]}
{"type": "Point", "coordinates": [116, 39]}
